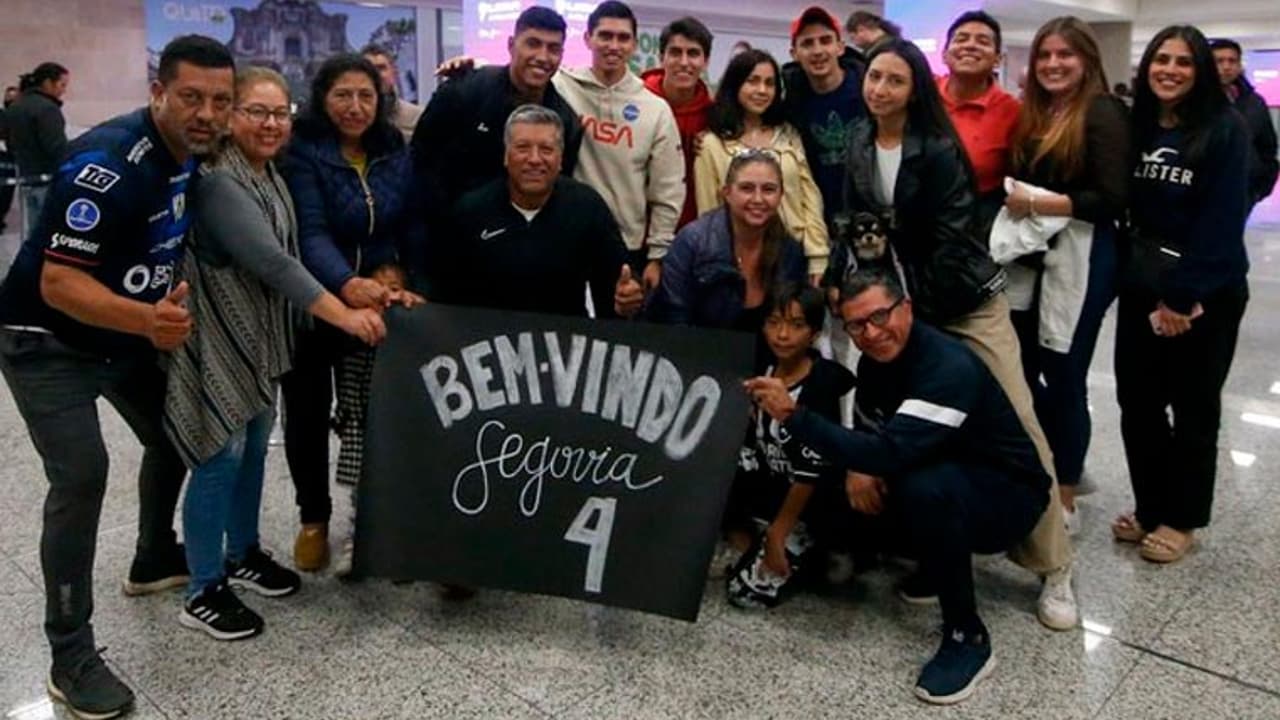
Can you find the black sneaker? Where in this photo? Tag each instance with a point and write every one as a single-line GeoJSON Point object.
{"type": "Point", "coordinates": [916, 589]}
{"type": "Point", "coordinates": [167, 569]}
{"type": "Point", "coordinates": [259, 573]}
{"type": "Point", "coordinates": [962, 662]}
{"type": "Point", "coordinates": [90, 690]}
{"type": "Point", "coordinates": [219, 613]}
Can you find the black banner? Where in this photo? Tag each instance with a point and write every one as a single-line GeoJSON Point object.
{"type": "Point", "coordinates": [587, 459]}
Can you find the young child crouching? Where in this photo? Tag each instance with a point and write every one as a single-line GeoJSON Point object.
{"type": "Point", "coordinates": [785, 491]}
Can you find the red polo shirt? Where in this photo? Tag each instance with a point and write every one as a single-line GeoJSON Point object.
{"type": "Point", "coordinates": [985, 126]}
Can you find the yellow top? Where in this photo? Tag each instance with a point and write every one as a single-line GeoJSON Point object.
{"type": "Point", "coordinates": [801, 209]}
{"type": "Point", "coordinates": [360, 162]}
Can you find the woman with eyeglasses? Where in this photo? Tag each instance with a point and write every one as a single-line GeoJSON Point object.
{"type": "Point", "coordinates": [908, 171]}
{"type": "Point", "coordinates": [748, 114]}
{"type": "Point", "coordinates": [246, 280]}
{"type": "Point", "coordinates": [350, 174]}
{"type": "Point", "coordinates": [722, 266]}
{"type": "Point", "coordinates": [1072, 145]}
{"type": "Point", "coordinates": [1183, 290]}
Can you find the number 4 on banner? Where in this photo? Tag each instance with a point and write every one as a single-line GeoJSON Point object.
{"type": "Point", "coordinates": [596, 538]}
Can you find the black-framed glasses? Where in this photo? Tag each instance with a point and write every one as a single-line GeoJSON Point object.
{"type": "Point", "coordinates": [260, 113]}
{"type": "Point", "coordinates": [879, 318]}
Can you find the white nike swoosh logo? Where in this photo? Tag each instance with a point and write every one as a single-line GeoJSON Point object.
{"type": "Point", "coordinates": [490, 234]}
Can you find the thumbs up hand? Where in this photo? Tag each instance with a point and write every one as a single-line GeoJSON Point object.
{"type": "Point", "coordinates": [628, 295]}
{"type": "Point", "coordinates": [170, 323]}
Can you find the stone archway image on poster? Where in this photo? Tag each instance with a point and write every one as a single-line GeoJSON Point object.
{"type": "Point", "coordinates": [293, 37]}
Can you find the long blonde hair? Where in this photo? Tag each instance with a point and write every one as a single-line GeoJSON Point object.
{"type": "Point", "coordinates": [1042, 135]}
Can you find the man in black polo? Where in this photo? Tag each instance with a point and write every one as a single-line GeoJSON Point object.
{"type": "Point", "coordinates": [458, 144]}
{"type": "Point", "coordinates": [534, 240]}
{"type": "Point", "coordinates": [937, 444]}
{"type": "Point", "coordinates": [86, 311]}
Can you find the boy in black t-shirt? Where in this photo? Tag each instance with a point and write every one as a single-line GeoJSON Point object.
{"type": "Point", "coordinates": [778, 476]}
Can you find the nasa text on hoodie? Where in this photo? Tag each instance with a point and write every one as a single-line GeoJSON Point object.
{"type": "Point", "coordinates": [630, 155]}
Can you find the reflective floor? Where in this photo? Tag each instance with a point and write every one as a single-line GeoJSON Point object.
{"type": "Point", "coordinates": [1200, 639]}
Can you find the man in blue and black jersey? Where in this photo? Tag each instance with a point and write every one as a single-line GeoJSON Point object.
{"type": "Point", "coordinates": [89, 305]}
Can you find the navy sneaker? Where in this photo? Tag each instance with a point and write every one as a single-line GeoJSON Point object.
{"type": "Point", "coordinates": [963, 660]}
{"type": "Point", "coordinates": [167, 569]}
{"type": "Point", "coordinates": [260, 573]}
{"type": "Point", "coordinates": [217, 612]}
{"type": "Point", "coordinates": [90, 690]}
{"type": "Point", "coordinates": [916, 589]}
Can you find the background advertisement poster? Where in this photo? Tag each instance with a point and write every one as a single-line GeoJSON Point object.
{"type": "Point", "coordinates": [293, 37]}
{"type": "Point", "coordinates": [1262, 67]}
{"type": "Point", "coordinates": [487, 24]}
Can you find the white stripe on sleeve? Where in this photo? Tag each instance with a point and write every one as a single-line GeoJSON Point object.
{"type": "Point", "coordinates": [939, 414]}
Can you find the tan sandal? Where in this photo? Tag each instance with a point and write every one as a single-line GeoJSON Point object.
{"type": "Point", "coordinates": [1166, 545]}
{"type": "Point", "coordinates": [1126, 529]}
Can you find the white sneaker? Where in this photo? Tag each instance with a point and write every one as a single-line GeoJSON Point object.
{"type": "Point", "coordinates": [1057, 608]}
{"type": "Point", "coordinates": [1071, 519]}
{"type": "Point", "coordinates": [345, 557]}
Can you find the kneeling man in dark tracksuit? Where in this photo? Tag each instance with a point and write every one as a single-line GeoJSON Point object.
{"type": "Point", "coordinates": [938, 445]}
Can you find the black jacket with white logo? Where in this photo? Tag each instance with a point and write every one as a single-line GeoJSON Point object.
{"type": "Point", "coordinates": [458, 144]}
{"type": "Point", "coordinates": [490, 256]}
{"type": "Point", "coordinates": [935, 403]}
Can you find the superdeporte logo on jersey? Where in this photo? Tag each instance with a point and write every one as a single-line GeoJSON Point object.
{"type": "Point", "coordinates": [73, 243]}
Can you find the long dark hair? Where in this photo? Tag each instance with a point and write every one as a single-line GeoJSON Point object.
{"type": "Point", "coordinates": [314, 123]}
{"type": "Point", "coordinates": [1197, 111]}
{"type": "Point", "coordinates": [44, 71]}
{"type": "Point", "coordinates": [1042, 135]}
{"type": "Point", "coordinates": [727, 114]}
{"type": "Point", "coordinates": [775, 233]}
{"type": "Point", "coordinates": [926, 115]}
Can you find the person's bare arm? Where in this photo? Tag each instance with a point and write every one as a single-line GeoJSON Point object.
{"type": "Point", "coordinates": [76, 293]}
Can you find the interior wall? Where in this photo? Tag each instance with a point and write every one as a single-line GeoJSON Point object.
{"type": "Point", "coordinates": [102, 43]}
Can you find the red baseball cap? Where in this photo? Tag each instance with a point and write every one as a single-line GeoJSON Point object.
{"type": "Point", "coordinates": [814, 15]}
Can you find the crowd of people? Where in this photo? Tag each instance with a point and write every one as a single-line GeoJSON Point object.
{"type": "Point", "coordinates": [945, 247]}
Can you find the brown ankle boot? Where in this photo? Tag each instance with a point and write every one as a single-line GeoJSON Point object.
{"type": "Point", "coordinates": [311, 549]}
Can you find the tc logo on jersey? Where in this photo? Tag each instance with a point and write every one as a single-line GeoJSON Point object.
{"type": "Point", "coordinates": [179, 206]}
{"type": "Point", "coordinates": [83, 215]}
{"type": "Point", "coordinates": [96, 178]}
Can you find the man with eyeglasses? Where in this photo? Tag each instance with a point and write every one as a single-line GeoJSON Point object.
{"type": "Point", "coordinates": [937, 446]}
{"type": "Point", "coordinates": [86, 312]}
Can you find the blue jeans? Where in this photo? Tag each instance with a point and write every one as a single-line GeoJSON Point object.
{"type": "Point", "coordinates": [223, 498]}
{"type": "Point", "coordinates": [1059, 381]}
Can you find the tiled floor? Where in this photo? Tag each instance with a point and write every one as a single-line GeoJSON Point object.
{"type": "Point", "coordinates": [1196, 640]}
